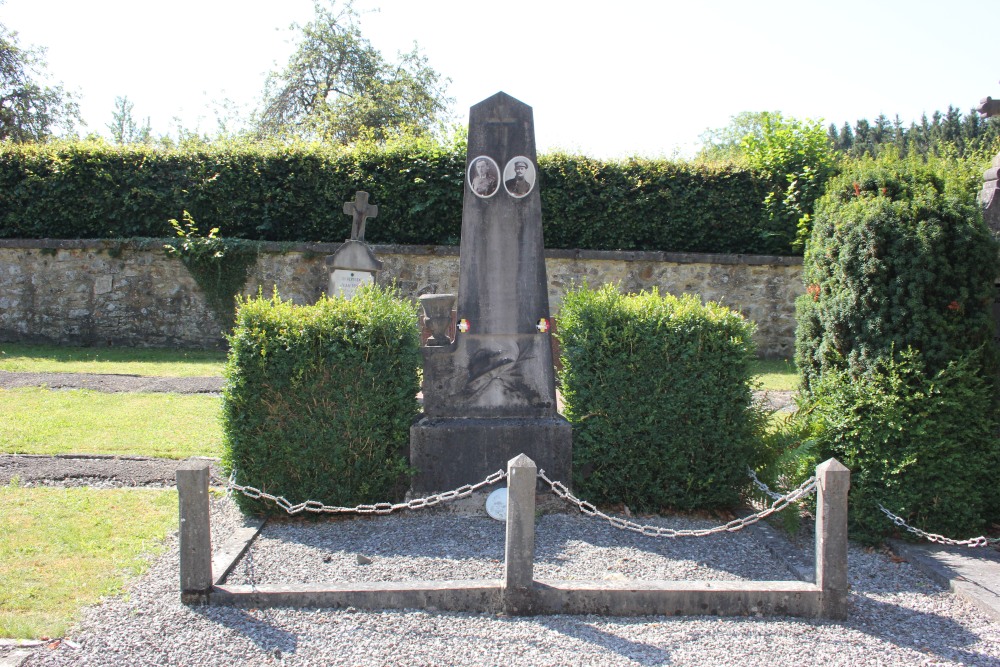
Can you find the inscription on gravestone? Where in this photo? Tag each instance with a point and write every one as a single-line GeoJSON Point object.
{"type": "Point", "coordinates": [354, 264]}
{"type": "Point", "coordinates": [490, 394]}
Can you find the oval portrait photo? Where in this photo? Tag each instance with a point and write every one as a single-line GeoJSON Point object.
{"type": "Point", "coordinates": [519, 176]}
{"type": "Point", "coordinates": [484, 176]}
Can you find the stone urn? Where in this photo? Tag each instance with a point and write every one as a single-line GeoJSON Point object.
{"type": "Point", "coordinates": [437, 317]}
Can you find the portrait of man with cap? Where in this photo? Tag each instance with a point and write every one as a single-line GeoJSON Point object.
{"type": "Point", "coordinates": [523, 179]}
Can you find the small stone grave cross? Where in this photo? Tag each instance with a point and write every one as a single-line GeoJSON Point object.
{"type": "Point", "coordinates": [354, 264]}
{"type": "Point", "coordinates": [361, 210]}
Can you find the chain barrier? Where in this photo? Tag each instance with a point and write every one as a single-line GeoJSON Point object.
{"type": "Point", "coordinates": [899, 521]}
{"type": "Point", "coordinates": [773, 495]}
{"type": "Point", "coordinates": [378, 508]}
{"type": "Point", "coordinates": [939, 539]}
{"type": "Point", "coordinates": [560, 490]}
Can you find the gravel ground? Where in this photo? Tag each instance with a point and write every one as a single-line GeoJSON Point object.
{"type": "Point", "coordinates": [897, 616]}
{"type": "Point", "coordinates": [110, 382]}
{"type": "Point", "coordinates": [96, 471]}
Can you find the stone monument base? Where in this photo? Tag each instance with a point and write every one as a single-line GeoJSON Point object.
{"type": "Point", "coordinates": [449, 453]}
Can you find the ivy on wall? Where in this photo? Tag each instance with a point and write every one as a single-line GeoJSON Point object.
{"type": "Point", "coordinates": [219, 266]}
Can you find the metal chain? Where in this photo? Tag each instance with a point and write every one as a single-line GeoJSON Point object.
{"type": "Point", "coordinates": [940, 539]}
{"type": "Point", "coordinates": [761, 485]}
{"type": "Point", "coordinates": [560, 490]}
{"type": "Point", "coordinates": [378, 508]}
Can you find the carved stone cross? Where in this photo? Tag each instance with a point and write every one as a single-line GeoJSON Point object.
{"type": "Point", "coordinates": [361, 210]}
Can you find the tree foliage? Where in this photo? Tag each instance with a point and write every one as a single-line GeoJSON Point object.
{"type": "Point", "coordinates": [29, 110]}
{"type": "Point", "coordinates": [951, 131]}
{"type": "Point", "coordinates": [124, 129]}
{"type": "Point", "coordinates": [796, 157]}
{"type": "Point", "coordinates": [337, 87]}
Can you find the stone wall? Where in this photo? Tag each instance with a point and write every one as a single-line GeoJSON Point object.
{"type": "Point", "coordinates": [126, 293]}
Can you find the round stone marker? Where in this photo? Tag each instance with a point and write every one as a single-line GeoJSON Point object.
{"type": "Point", "coordinates": [496, 504]}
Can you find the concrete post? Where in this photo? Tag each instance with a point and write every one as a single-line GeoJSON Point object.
{"type": "Point", "coordinates": [833, 481]}
{"type": "Point", "coordinates": [519, 555]}
{"type": "Point", "coordinates": [195, 532]}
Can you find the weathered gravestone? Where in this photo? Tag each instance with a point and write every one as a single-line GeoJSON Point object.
{"type": "Point", "coordinates": [490, 394]}
{"type": "Point", "coordinates": [990, 200]}
{"type": "Point", "coordinates": [354, 264]}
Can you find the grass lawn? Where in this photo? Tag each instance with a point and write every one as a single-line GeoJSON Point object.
{"type": "Point", "coordinates": [64, 548]}
{"type": "Point", "coordinates": [45, 421]}
{"type": "Point", "coordinates": [776, 374]}
{"type": "Point", "coordinates": [122, 360]}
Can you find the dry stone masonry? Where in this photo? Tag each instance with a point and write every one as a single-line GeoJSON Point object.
{"type": "Point", "coordinates": [91, 292]}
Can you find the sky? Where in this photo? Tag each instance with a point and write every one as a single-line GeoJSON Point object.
{"type": "Point", "coordinates": [629, 77]}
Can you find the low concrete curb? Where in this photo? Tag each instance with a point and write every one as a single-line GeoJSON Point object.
{"type": "Point", "coordinates": [971, 574]}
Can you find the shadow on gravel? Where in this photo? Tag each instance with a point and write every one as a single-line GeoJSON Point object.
{"type": "Point", "coordinates": [584, 631]}
{"type": "Point", "coordinates": [933, 634]}
{"type": "Point", "coordinates": [261, 631]}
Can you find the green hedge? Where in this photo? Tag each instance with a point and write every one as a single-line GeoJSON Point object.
{"type": "Point", "coordinates": [894, 344]}
{"type": "Point", "coordinates": [658, 390]}
{"type": "Point", "coordinates": [319, 399]}
{"type": "Point", "coordinates": [923, 445]}
{"type": "Point", "coordinates": [899, 257]}
{"type": "Point", "coordinates": [296, 193]}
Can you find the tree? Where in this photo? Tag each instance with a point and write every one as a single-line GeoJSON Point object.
{"type": "Point", "coordinates": [797, 158]}
{"type": "Point", "coordinates": [726, 143]}
{"type": "Point", "coordinates": [846, 139]}
{"type": "Point", "coordinates": [338, 87]}
{"type": "Point", "coordinates": [29, 110]}
{"type": "Point", "coordinates": [123, 127]}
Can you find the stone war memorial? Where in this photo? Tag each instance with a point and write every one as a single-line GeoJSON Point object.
{"type": "Point", "coordinates": [489, 395]}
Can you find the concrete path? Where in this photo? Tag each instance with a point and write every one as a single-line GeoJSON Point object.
{"type": "Point", "coordinates": [972, 574]}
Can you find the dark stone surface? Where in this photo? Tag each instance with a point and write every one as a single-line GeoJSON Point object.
{"type": "Point", "coordinates": [490, 395]}
{"type": "Point", "coordinates": [449, 453]}
{"type": "Point", "coordinates": [95, 470]}
{"type": "Point", "coordinates": [489, 376]}
{"type": "Point", "coordinates": [503, 366]}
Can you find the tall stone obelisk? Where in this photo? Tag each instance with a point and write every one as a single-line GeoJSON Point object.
{"type": "Point", "coordinates": [490, 394]}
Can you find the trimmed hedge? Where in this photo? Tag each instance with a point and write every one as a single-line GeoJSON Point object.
{"type": "Point", "coordinates": [319, 399]}
{"type": "Point", "coordinates": [296, 193]}
{"type": "Point", "coordinates": [923, 445]}
{"type": "Point", "coordinates": [659, 392]}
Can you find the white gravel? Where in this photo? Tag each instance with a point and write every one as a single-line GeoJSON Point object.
{"type": "Point", "coordinates": [897, 616]}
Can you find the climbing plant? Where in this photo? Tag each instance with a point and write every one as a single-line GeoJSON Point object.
{"type": "Point", "coordinates": [219, 266]}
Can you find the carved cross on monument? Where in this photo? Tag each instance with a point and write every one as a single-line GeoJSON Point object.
{"type": "Point", "coordinates": [361, 210]}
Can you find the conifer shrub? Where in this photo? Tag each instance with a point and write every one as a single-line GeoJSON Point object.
{"type": "Point", "coordinates": [659, 391]}
{"type": "Point", "coordinates": [922, 445]}
{"type": "Point", "coordinates": [899, 257]}
{"type": "Point", "coordinates": [894, 343]}
{"type": "Point", "coordinates": [319, 399]}
{"type": "Point", "coordinates": [295, 193]}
